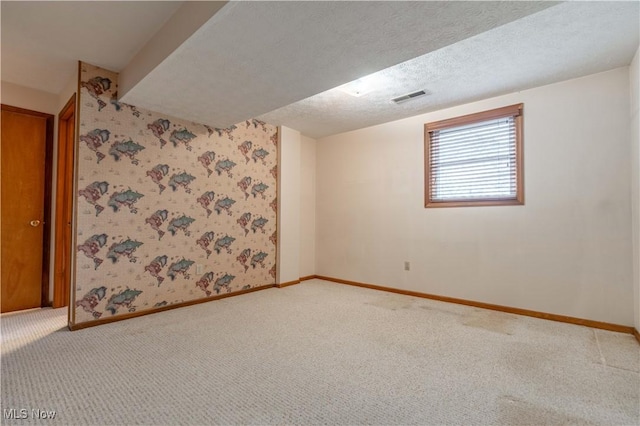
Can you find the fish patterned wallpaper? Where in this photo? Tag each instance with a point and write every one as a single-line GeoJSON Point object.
{"type": "Point", "coordinates": [159, 196]}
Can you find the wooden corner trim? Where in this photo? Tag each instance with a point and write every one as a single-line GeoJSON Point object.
{"type": "Point", "coordinates": [518, 311]}
{"type": "Point", "coordinates": [308, 277]}
{"type": "Point", "coordinates": [298, 281]}
{"type": "Point", "coordinates": [67, 110]}
{"type": "Point", "coordinates": [288, 283]}
{"type": "Point", "coordinates": [74, 327]}
{"type": "Point", "coordinates": [636, 334]}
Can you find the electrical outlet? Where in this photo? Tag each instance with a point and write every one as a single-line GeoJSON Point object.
{"type": "Point", "coordinates": [407, 266]}
{"type": "Point", "coordinates": [199, 268]}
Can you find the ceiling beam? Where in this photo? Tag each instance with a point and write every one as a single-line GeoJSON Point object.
{"type": "Point", "coordinates": [182, 25]}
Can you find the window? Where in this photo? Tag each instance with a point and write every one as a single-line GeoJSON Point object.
{"type": "Point", "coordinates": [475, 160]}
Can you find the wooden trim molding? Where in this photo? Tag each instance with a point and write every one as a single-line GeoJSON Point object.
{"type": "Point", "coordinates": [518, 311]}
{"type": "Point", "coordinates": [298, 281]}
{"type": "Point", "coordinates": [507, 309]}
{"type": "Point", "coordinates": [19, 110]}
{"type": "Point", "coordinates": [507, 111]}
{"type": "Point", "coordinates": [47, 225]}
{"type": "Point", "coordinates": [64, 204]}
{"type": "Point", "coordinates": [288, 283]}
{"type": "Point", "coordinates": [74, 327]}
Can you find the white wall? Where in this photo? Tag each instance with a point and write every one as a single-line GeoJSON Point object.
{"type": "Point", "coordinates": [27, 98]}
{"type": "Point", "coordinates": [307, 206]}
{"type": "Point", "coordinates": [288, 206]}
{"type": "Point", "coordinates": [634, 81]}
{"type": "Point", "coordinates": [566, 251]}
{"type": "Point", "coordinates": [69, 89]}
{"type": "Point", "coordinates": [296, 206]}
{"type": "Point", "coordinates": [179, 27]}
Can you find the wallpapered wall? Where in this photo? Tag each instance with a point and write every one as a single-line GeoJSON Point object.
{"type": "Point", "coordinates": [158, 196]}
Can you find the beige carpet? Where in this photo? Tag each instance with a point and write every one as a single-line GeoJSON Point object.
{"type": "Point", "coordinates": [319, 353]}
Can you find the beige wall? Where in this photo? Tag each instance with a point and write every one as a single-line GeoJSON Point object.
{"type": "Point", "coordinates": [69, 89]}
{"type": "Point", "coordinates": [307, 206]}
{"type": "Point", "coordinates": [25, 97]}
{"type": "Point", "coordinates": [566, 251]}
{"type": "Point", "coordinates": [296, 206]}
{"type": "Point", "coordinates": [289, 206]}
{"type": "Point", "coordinates": [634, 81]}
{"type": "Point", "coordinates": [180, 26]}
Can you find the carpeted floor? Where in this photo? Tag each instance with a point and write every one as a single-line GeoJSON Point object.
{"type": "Point", "coordinates": [318, 353]}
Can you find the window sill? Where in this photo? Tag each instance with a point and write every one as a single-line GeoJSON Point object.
{"type": "Point", "coordinates": [478, 203]}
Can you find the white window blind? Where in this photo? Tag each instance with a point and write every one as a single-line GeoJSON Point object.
{"type": "Point", "coordinates": [475, 161]}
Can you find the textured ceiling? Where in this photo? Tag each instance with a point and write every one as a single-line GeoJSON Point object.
{"type": "Point", "coordinates": [566, 41]}
{"type": "Point", "coordinates": [253, 57]}
{"type": "Point", "coordinates": [42, 41]}
{"type": "Point", "coordinates": [278, 60]}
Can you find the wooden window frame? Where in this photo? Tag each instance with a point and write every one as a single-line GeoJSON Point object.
{"type": "Point", "coordinates": [515, 111]}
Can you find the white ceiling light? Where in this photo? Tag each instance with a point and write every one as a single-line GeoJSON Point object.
{"type": "Point", "coordinates": [361, 86]}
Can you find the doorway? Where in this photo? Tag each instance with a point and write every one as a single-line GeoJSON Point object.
{"type": "Point", "coordinates": [25, 233]}
{"type": "Point", "coordinates": [64, 204]}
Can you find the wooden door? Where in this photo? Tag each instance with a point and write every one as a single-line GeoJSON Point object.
{"type": "Point", "coordinates": [64, 204]}
{"type": "Point", "coordinates": [24, 143]}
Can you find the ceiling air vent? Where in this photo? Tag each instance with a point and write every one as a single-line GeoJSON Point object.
{"type": "Point", "coordinates": [405, 98]}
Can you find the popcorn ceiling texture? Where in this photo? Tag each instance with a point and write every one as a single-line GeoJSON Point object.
{"type": "Point", "coordinates": [563, 42]}
{"type": "Point", "coordinates": [158, 196]}
{"type": "Point", "coordinates": [260, 56]}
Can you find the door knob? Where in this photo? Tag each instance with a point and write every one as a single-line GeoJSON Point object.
{"type": "Point", "coordinates": [34, 223]}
